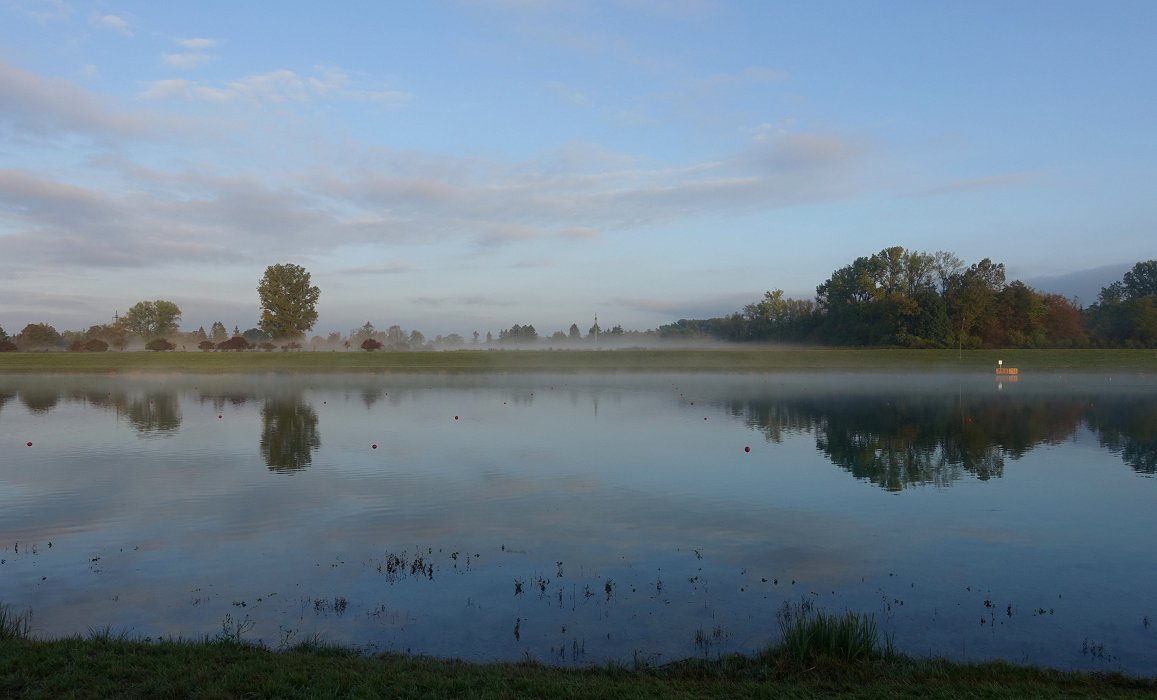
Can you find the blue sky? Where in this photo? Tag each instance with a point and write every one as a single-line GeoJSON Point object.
{"type": "Point", "coordinates": [462, 165]}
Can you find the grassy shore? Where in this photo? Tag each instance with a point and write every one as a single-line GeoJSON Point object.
{"type": "Point", "coordinates": [736, 359]}
{"type": "Point", "coordinates": [102, 666]}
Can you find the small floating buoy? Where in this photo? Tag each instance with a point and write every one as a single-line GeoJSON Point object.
{"type": "Point", "coordinates": [29, 444]}
{"type": "Point", "coordinates": [455, 417]}
{"type": "Point", "coordinates": [747, 449]}
{"type": "Point", "coordinates": [374, 446]}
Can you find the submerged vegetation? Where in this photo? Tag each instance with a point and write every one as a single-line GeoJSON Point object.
{"type": "Point", "coordinates": [833, 656]}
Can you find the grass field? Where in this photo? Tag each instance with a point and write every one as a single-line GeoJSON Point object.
{"type": "Point", "coordinates": [738, 359]}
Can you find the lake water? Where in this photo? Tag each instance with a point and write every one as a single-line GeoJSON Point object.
{"type": "Point", "coordinates": [576, 519]}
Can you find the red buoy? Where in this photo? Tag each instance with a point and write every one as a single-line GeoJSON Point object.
{"type": "Point", "coordinates": [374, 446]}
{"type": "Point", "coordinates": [747, 449]}
{"type": "Point", "coordinates": [455, 417]}
{"type": "Point", "coordinates": [30, 444]}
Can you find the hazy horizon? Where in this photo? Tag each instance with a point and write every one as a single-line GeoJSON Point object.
{"type": "Point", "coordinates": [472, 164]}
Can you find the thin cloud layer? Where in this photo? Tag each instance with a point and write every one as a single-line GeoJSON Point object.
{"type": "Point", "coordinates": [274, 87]}
{"type": "Point", "coordinates": [36, 105]}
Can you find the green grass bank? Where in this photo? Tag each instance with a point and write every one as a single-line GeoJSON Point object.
{"type": "Point", "coordinates": [739, 359]}
{"type": "Point", "coordinates": [101, 667]}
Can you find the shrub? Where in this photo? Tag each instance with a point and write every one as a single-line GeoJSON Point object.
{"type": "Point", "coordinates": [7, 346]}
{"type": "Point", "coordinates": [291, 345]}
{"type": "Point", "coordinates": [369, 345]}
{"type": "Point", "coordinates": [267, 346]}
{"type": "Point", "coordinates": [90, 345]}
{"type": "Point", "coordinates": [159, 345]}
{"type": "Point", "coordinates": [234, 343]}
{"type": "Point", "coordinates": [206, 345]}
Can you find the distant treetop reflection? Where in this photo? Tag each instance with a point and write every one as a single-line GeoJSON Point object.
{"type": "Point", "coordinates": [922, 439]}
{"type": "Point", "coordinates": [289, 434]}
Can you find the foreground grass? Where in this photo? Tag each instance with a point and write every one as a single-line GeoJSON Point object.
{"type": "Point", "coordinates": [820, 655]}
{"type": "Point", "coordinates": [733, 359]}
{"type": "Point", "coordinates": [101, 667]}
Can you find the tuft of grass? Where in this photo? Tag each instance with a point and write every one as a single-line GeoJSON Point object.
{"type": "Point", "coordinates": [811, 635]}
{"type": "Point", "coordinates": [14, 625]}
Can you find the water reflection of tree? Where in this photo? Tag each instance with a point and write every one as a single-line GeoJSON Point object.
{"type": "Point", "coordinates": [289, 434]}
{"type": "Point", "coordinates": [154, 413]}
{"type": "Point", "coordinates": [772, 417]}
{"type": "Point", "coordinates": [39, 400]}
{"type": "Point", "coordinates": [371, 396]}
{"type": "Point", "coordinates": [220, 400]}
{"type": "Point", "coordinates": [901, 441]}
{"type": "Point", "coordinates": [1127, 427]}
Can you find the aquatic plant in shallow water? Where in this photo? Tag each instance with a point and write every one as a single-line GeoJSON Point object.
{"type": "Point", "coordinates": [14, 625]}
{"type": "Point", "coordinates": [809, 635]}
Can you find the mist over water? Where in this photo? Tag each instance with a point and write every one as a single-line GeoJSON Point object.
{"type": "Point", "coordinates": [582, 518]}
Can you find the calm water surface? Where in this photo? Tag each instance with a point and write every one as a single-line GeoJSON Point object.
{"type": "Point", "coordinates": [577, 519]}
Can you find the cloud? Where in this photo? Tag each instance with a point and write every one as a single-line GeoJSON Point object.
{"type": "Point", "coordinates": [197, 43]}
{"type": "Point", "coordinates": [186, 60]}
{"type": "Point", "coordinates": [807, 151]}
{"type": "Point", "coordinates": [205, 220]}
{"type": "Point", "coordinates": [38, 105]}
{"type": "Point", "coordinates": [140, 214]}
{"type": "Point", "coordinates": [978, 184]}
{"type": "Point", "coordinates": [711, 307]}
{"type": "Point", "coordinates": [461, 301]}
{"type": "Point", "coordinates": [44, 10]}
{"type": "Point", "coordinates": [115, 23]}
{"type": "Point", "coordinates": [274, 87]}
{"type": "Point", "coordinates": [585, 194]}
{"type": "Point", "coordinates": [378, 269]}
{"type": "Point", "coordinates": [569, 94]}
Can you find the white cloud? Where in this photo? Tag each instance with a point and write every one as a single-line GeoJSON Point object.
{"type": "Point", "coordinates": [115, 23]}
{"type": "Point", "coordinates": [274, 87]}
{"type": "Point", "coordinates": [185, 60]}
{"type": "Point", "coordinates": [196, 43]}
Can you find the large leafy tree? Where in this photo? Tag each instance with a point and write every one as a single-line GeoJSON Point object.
{"type": "Point", "coordinates": [39, 335]}
{"type": "Point", "coordinates": [288, 301]}
{"type": "Point", "coordinates": [153, 319]}
{"type": "Point", "coordinates": [972, 299]}
{"type": "Point", "coordinates": [1139, 282]}
{"type": "Point", "coordinates": [1126, 311]}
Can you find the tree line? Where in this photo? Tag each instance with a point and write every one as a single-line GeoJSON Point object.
{"type": "Point", "coordinates": [288, 309]}
{"type": "Point", "coordinates": [909, 299]}
{"type": "Point", "coordinates": [896, 297]}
